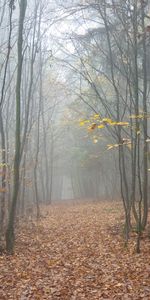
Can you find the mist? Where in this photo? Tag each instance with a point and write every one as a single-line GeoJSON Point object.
{"type": "Point", "coordinates": [74, 114]}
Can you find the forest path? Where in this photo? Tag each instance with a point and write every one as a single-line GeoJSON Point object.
{"type": "Point", "coordinates": [76, 252]}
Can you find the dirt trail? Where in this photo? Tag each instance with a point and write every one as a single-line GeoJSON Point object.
{"type": "Point", "coordinates": [76, 252]}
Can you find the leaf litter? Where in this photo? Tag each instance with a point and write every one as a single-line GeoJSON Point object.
{"type": "Point", "coordinates": [76, 251]}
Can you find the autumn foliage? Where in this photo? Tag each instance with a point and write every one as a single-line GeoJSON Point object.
{"type": "Point", "coordinates": [76, 251]}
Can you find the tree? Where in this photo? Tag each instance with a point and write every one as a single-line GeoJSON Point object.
{"type": "Point", "coordinates": [10, 229]}
{"type": "Point", "coordinates": [117, 51]}
{"type": "Point", "coordinates": [2, 132]}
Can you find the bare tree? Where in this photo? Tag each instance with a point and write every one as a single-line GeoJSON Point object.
{"type": "Point", "coordinates": [10, 229]}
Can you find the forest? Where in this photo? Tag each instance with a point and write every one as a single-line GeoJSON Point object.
{"type": "Point", "coordinates": [74, 149]}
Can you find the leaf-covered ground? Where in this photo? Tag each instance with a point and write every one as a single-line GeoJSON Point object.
{"type": "Point", "coordinates": [76, 251]}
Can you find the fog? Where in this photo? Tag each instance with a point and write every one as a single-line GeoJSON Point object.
{"type": "Point", "coordinates": [74, 103]}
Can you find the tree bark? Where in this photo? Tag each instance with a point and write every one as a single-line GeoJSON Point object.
{"type": "Point", "coordinates": [10, 236]}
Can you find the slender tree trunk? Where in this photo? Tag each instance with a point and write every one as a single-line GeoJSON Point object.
{"type": "Point", "coordinates": [10, 236]}
{"type": "Point", "coordinates": [36, 163]}
{"type": "Point", "coordinates": [38, 135]}
{"type": "Point", "coordinates": [2, 133]}
{"type": "Point", "coordinates": [145, 146]}
{"type": "Point", "coordinates": [3, 190]}
{"type": "Point", "coordinates": [46, 186]}
{"type": "Point", "coordinates": [51, 165]}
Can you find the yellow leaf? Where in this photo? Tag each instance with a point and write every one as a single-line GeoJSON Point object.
{"type": "Point", "coordinates": [112, 146]}
{"type": "Point", "coordinates": [113, 123]}
{"type": "Point", "coordinates": [82, 123]}
{"type": "Point", "coordinates": [129, 146]}
{"type": "Point", "coordinates": [3, 165]}
{"type": "Point", "coordinates": [96, 116]}
{"type": "Point", "coordinates": [109, 147]}
{"type": "Point", "coordinates": [122, 123]}
{"type": "Point", "coordinates": [137, 116]}
{"type": "Point", "coordinates": [100, 126]}
{"type": "Point", "coordinates": [107, 120]}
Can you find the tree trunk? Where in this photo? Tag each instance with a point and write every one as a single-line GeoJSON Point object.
{"type": "Point", "coordinates": [10, 237]}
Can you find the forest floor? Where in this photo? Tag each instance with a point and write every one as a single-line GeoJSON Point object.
{"type": "Point", "coordinates": [76, 251]}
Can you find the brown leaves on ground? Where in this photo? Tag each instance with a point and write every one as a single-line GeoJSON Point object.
{"type": "Point", "coordinates": [76, 252]}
